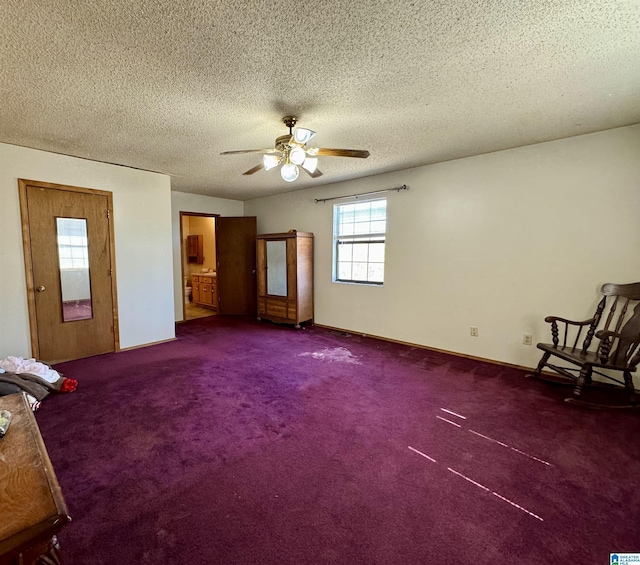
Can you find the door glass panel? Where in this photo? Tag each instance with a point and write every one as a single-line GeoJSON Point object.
{"type": "Point", "coordinates": [277, 268]}
{"type": "Point", "coordinates": [73, 259]}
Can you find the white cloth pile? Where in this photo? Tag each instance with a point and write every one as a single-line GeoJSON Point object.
{"type": "Point", "coordinates": [19, 365]}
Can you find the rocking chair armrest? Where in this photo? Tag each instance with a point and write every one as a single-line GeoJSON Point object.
{"type": "Point", "coordinates": [626, 346]}
{"type": "Point", "coordinates": [551, 319]}
{"type": "Point", "coordinates": [600, 334]}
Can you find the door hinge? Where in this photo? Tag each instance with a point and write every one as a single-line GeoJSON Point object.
{"type": "Point", "coordinates": [108, 214]}
{"type": "Point", "coordinates": [111, 272]}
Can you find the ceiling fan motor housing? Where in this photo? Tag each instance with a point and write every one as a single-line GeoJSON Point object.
{"type": "Point", "coordinates": [282, 142]}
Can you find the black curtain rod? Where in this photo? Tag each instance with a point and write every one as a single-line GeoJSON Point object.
{"type": "Point", "coordinates": [397, 189]}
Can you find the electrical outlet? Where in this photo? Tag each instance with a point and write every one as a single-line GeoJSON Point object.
{"type": "Point", "coordinates": [474, 331]}
{"type": "Point", "coordinates": [527, 339]}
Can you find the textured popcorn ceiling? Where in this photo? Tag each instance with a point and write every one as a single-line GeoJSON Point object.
{"type": "Point", "coordinates": [166, 85]}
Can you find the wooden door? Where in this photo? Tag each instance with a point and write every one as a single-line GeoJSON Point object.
{"type": "Point", "coordinates": [70, 275]}
{"type": "Point", "coordinates": [236, 265]}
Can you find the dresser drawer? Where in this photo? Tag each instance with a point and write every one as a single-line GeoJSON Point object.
{"type": "Point", "coordinates": [277, 308]}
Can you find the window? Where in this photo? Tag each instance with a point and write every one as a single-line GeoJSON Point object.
{"type": "Point", "coordinates": [359, 230]}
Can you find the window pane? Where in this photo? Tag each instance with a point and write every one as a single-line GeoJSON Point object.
{"type": "Point", "coordinates": [378, 210]}
{"type": "Point", "coordinates": [347, 229]}
{"type": "Point", "coordinates": [376, 252]}
{"type": "Point", "coordinates": [378, 227]}
{"type": "Point", "coordinates": [376, 272]}
{"type": "Point", "coordinates": [362, 227]}
{"type": "Point", "coordinates": [359, 272]}
{"type": "Point", "coordinates": [344, 271]}
{"type": "Point", "coordinates": [361, 252]}
{"type": "Point", "coordinates": [345, 252]}
{"type": "Point", "coordinates": [348, 210]}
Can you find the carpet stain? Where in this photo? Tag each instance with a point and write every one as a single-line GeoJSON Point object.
{"type": "Point", "coordinates": [335, 355]}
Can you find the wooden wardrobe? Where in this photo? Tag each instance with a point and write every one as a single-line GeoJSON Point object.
{"type": "Point", "coordinates": [285, 277]}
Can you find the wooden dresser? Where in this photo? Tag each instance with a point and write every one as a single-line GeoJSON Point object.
{"type": "Point", "coordinates": [32, 510]}
{"type": "Point", "coordinates": [285, 277]}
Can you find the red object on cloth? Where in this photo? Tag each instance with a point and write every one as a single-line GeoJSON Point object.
{"type": "Point", "coordinates": [68, 385]}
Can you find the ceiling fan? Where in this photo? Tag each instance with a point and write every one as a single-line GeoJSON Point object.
{"type": "Point", "coordinates": [291, 152]}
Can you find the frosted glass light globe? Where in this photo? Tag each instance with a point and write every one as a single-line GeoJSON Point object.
{"type": "Point", "coordinates": [289, 172]}
{"type": "Point", "coordinates": [270, 161]}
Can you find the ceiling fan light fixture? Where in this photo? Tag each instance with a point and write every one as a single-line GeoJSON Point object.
{"type": "Point", "coordinates": [297, 155]}
{"type": "Point", "coordinates": [310, 164]}
{"type": "Point", "coordinates": [302, 135]}
{"type": "Point", "coordinates": [291, 152]}
{"type": "Point", "coordinates": [289, 172]}
{"type": "Point", "coordinates": [270, 161]}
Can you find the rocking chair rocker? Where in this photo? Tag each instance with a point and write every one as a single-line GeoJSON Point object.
{"type": "Point", "coordinates": [617, 349]}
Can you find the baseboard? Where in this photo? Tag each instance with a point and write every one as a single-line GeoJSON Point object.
{"type": "Point", "coordinates": [419, 346]}
{"type": "Point", "coordinates": [148, 344]}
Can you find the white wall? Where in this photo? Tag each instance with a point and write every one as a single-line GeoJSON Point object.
{"type": "Point", "coordinates": [142, 220]}
{"type": "Point", "coordinates": [184, 202]}
{"type": "Point", "coordinates": [497, 241]}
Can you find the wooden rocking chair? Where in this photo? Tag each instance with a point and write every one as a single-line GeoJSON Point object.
{"type": "Point", "coordinates": [616, 346]}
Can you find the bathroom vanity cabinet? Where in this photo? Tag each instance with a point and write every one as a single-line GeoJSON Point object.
{"type": "Point", "coordinates": [204, 289]}
{"type": "Point", "coordinates": [285, 277]}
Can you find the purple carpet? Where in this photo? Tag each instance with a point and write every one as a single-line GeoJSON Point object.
{"type": "Point", "coordinates": [244, 442]}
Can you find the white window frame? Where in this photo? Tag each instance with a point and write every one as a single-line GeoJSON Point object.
{"type": "Point", "coordinates": [363, 236]}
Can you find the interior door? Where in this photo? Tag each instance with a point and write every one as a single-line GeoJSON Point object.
{"type": "Point", "coordinates": [236, 265]}
{"type": "Point", "coordinates": [67, 234]}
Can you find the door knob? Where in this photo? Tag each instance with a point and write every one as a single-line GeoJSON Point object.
{"type": "Point", "coordinates": [40, 288]}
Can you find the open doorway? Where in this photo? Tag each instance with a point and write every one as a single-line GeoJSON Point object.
{"type": "Point", "coordinates": [199, 265]}
{"type": "Point", "coordinates": [219, 270]}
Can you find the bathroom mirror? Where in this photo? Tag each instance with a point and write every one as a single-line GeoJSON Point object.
{"type": "Point", "coordinates": [73, 260]}
{"type": "Point", "coordinates": [277, 268]}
